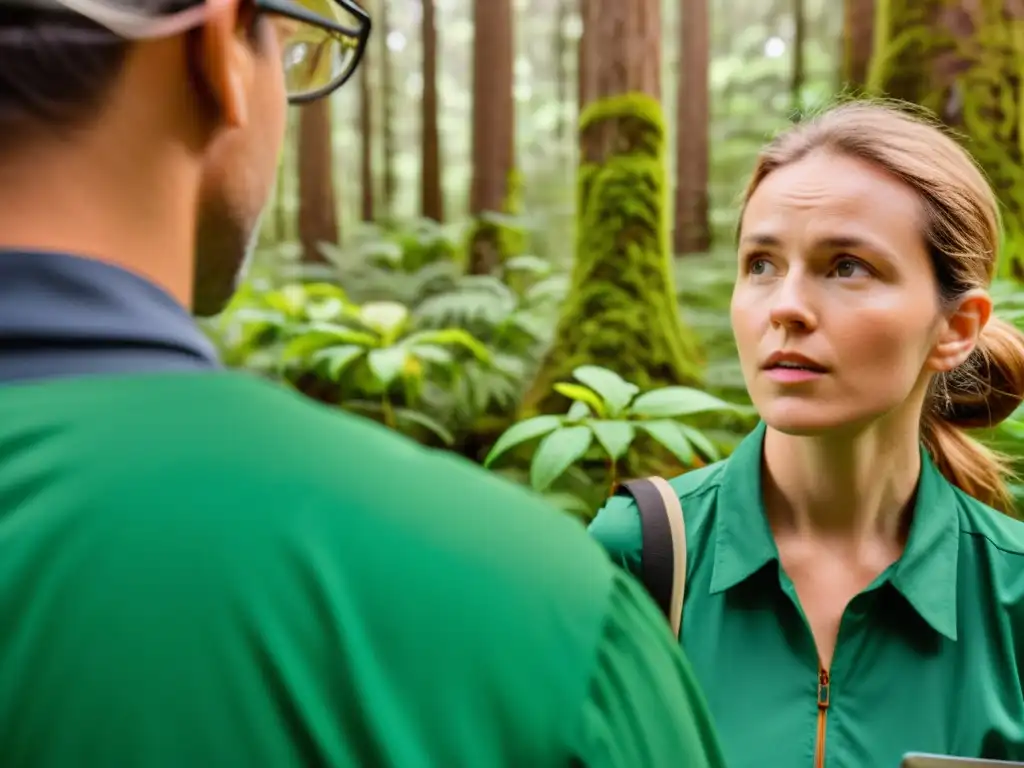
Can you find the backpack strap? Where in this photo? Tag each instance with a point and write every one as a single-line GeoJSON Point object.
{"type": "Point", "coordinates": [663, 554]}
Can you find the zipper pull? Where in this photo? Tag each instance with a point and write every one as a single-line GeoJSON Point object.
{"type": "Point", "coordinates": [823, 689]}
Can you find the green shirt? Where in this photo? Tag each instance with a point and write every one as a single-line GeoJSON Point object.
{"type": "Point", "coordinates": [208, 571]}
{"type": "Point", "coordinates": [929, 656]}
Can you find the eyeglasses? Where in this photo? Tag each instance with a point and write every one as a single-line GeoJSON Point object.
{"type": "Point", "coordinates": [322, 43]}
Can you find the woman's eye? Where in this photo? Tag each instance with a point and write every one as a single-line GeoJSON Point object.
{"type": "Point", "coordinates": [758, 266]}
{"type": "Point", "coordinates": [850, 268]}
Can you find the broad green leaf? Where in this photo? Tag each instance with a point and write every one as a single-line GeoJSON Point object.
{"type": "Point", "coordinates": [385, 317]}
{"type": "Point", "coordinates": [582, 394]}
{"type": "Point", "coordinates": [556, 453]}
{"type": "Point", "coordinates": [432, 353]}
{"type": "Point", "coordinates": [667, 433]}
{"type": "Point", "coordinates": [328, 309]}
{"type": "Point", "coordinates": [387, 364]}
{"type": "Point", "coordinates": [701, 442]}
{"type": "Point", "coordinates": [614, 436]}
{"type": "Point", "coordinates": [520, 433]}
{"type": "Point", "coordinates": [428, 423]}
{"type": "Point", "coordinates": [578, 411]}
{"type": "Point", "coordinates": [313, 341]}
{"type": "Point", "coordinates": [677, 401]}
{"type": "Point", "coordinates": [337, 359]}
{"type": "Point", "coordinates": [527, 263]}
{"type": "Point", "coordinates": [451, 337]}
{"type": "Point", "coordinates": [613, 389]}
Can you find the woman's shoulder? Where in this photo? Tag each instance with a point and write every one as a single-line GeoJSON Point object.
{"type": "Point", "coordinates": [616, 526]}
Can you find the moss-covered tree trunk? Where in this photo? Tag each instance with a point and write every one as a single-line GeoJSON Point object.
{"type": "Point", "coordinates": [964, 60]}
{"type": "Point", "coordinates": [621, 311]}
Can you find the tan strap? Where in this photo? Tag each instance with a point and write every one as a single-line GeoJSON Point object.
{"type": "Point", "coordinates": [663, 554]}
{"type": "Point", "coordinates": [674, 512]}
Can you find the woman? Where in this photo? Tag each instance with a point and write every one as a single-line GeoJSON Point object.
{"type": "Point", "coordinates": [851, 593]}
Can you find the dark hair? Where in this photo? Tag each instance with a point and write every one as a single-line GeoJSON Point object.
{"type": "Point", "coordinates": [961, 229]}
{"type": "Point", "coordinates": [58, 66]}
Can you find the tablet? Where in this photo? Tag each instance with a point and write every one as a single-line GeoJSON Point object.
{"type": "Point", "coordinates": [921, 760]}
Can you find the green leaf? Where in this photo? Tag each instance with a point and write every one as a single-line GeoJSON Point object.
{"type": "Point", "coordinates": [578, 411]}
{"type": "Point", "coordinates": [614, 436]}
{"type": "Point", "coordinates": [338, 359]}
{"type": "Point", "coordinates": [556, 453]}
{"type": "Point", "coordinates": [451, 337]}
{"type": "Point", "coordinates": [520, 433]}
{"type": "Point", "coordinates": [581, 394]}
{"type": "Point", "coordinates": [322, 338]}
{"type": "Point", "coordinates": [671, 436]}
{"type": "Point", "coordinates": [677, 401]}
{"type": "Point", "coordinates": [701, 442]}
{"type": "Point", "coordinates": [613, 389]}
{"type": "Point", "coordinates": [387, 363]}
{"type": "Point", "coordinates": [428, 423]}
{"type": "Point", "coordinates": [432, 353]}
{"type": "Point", "coordinates": [385, 317]}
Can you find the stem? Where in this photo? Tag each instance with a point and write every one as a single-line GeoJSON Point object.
{"type": "Point", "coordinates": [613, 475]}
{"type": "Point", "coordinates": [389, 413]}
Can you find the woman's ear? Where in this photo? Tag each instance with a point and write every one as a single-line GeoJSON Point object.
{"type": "Point", "coordinates": [960, 331]}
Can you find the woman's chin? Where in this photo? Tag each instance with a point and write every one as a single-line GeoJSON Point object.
{"type": "Point", "coordinates": [808, 420]}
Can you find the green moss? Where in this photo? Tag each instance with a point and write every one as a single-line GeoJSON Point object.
{"type": "Point", "coordinates": [621, 311]}
{"type": "Point", "coordinates": [968, 70]}
{"type": "Point", "coordinates": [500, 235]}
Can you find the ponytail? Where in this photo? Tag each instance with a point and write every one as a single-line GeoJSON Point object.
{"type": "Point", "coordinates": [982, 392]}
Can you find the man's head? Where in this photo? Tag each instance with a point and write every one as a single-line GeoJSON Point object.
{"type": "Point", "coordinates": [205, 83]}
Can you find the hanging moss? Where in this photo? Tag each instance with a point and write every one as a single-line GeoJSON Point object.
{"type": "Point", "coordinates": [966, 67]}
{"type": "Point", "coordinates": [621, 311]}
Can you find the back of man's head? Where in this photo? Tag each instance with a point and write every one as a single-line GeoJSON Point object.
{"type": "Point", "coordinates": [141, 131]}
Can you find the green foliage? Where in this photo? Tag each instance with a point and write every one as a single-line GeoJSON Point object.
{"type": "Point", "coordinates": [607, 415]}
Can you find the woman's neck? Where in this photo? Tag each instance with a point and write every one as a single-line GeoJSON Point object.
{"type": "Point", "coordinates": [853, 487]}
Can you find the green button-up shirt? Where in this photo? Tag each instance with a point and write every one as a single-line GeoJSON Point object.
{"type": "Point", "coordinates": [929, 657]}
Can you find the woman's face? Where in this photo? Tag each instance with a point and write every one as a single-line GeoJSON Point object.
{"type": "Point", "coordinates": [835, 308]}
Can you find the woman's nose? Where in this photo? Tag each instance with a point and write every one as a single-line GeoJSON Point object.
{"type": "Point", "coordinates": [792, 308]}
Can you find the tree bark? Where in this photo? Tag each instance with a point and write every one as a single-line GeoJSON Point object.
{"type": "Point", "coordinates": [431, 195]}
{"type": "Point", "coordinates": [493, 127]}
{"type": "Point", "coordinates": [692, 232]}
{"type": "Point", "coordinates": [318, 213]}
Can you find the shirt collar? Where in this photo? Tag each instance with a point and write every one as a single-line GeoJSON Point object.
{"type": "Point", "coordinates": [66, 315]}
{"type": "Point", "coordinates": [926, 574]}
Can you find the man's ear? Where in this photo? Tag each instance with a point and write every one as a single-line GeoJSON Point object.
{"type": "Point", "coordinates": [228, 61]}
{"type": "Point", "coordinates": [960, 331]}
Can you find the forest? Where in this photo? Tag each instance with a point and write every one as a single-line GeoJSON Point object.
{"type": "Point", "coordinates": [511, 236]}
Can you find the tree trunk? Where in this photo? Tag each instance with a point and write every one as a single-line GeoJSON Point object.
{"type": "Point", "coordinates": [366, 137]}
{"type": "Point", "coordinates": [798, 75]}
{"type": "Point", "coordinates": [318, 214]}
{"type": "Point", "coordinates": [692, 231]}
{"type": "Point", "coordinates": [493, 128]}
{"type": "Point", "coordinates": [387, 94]}
{"type": "Point", "coordinates": [963, 61]}
{"type": "Point", "coordinates": [431, 195]}
{"type": "Point", "coordinates": [621, 311]}
{"type": "Point", "coordinates": [858, 34]}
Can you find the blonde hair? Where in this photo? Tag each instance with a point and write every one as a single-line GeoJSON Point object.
{"type": "Point", "coordinates": [961, 231]}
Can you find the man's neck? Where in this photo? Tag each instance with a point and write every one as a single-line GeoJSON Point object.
{"type": "Point", "coordinates": [109, 203]}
